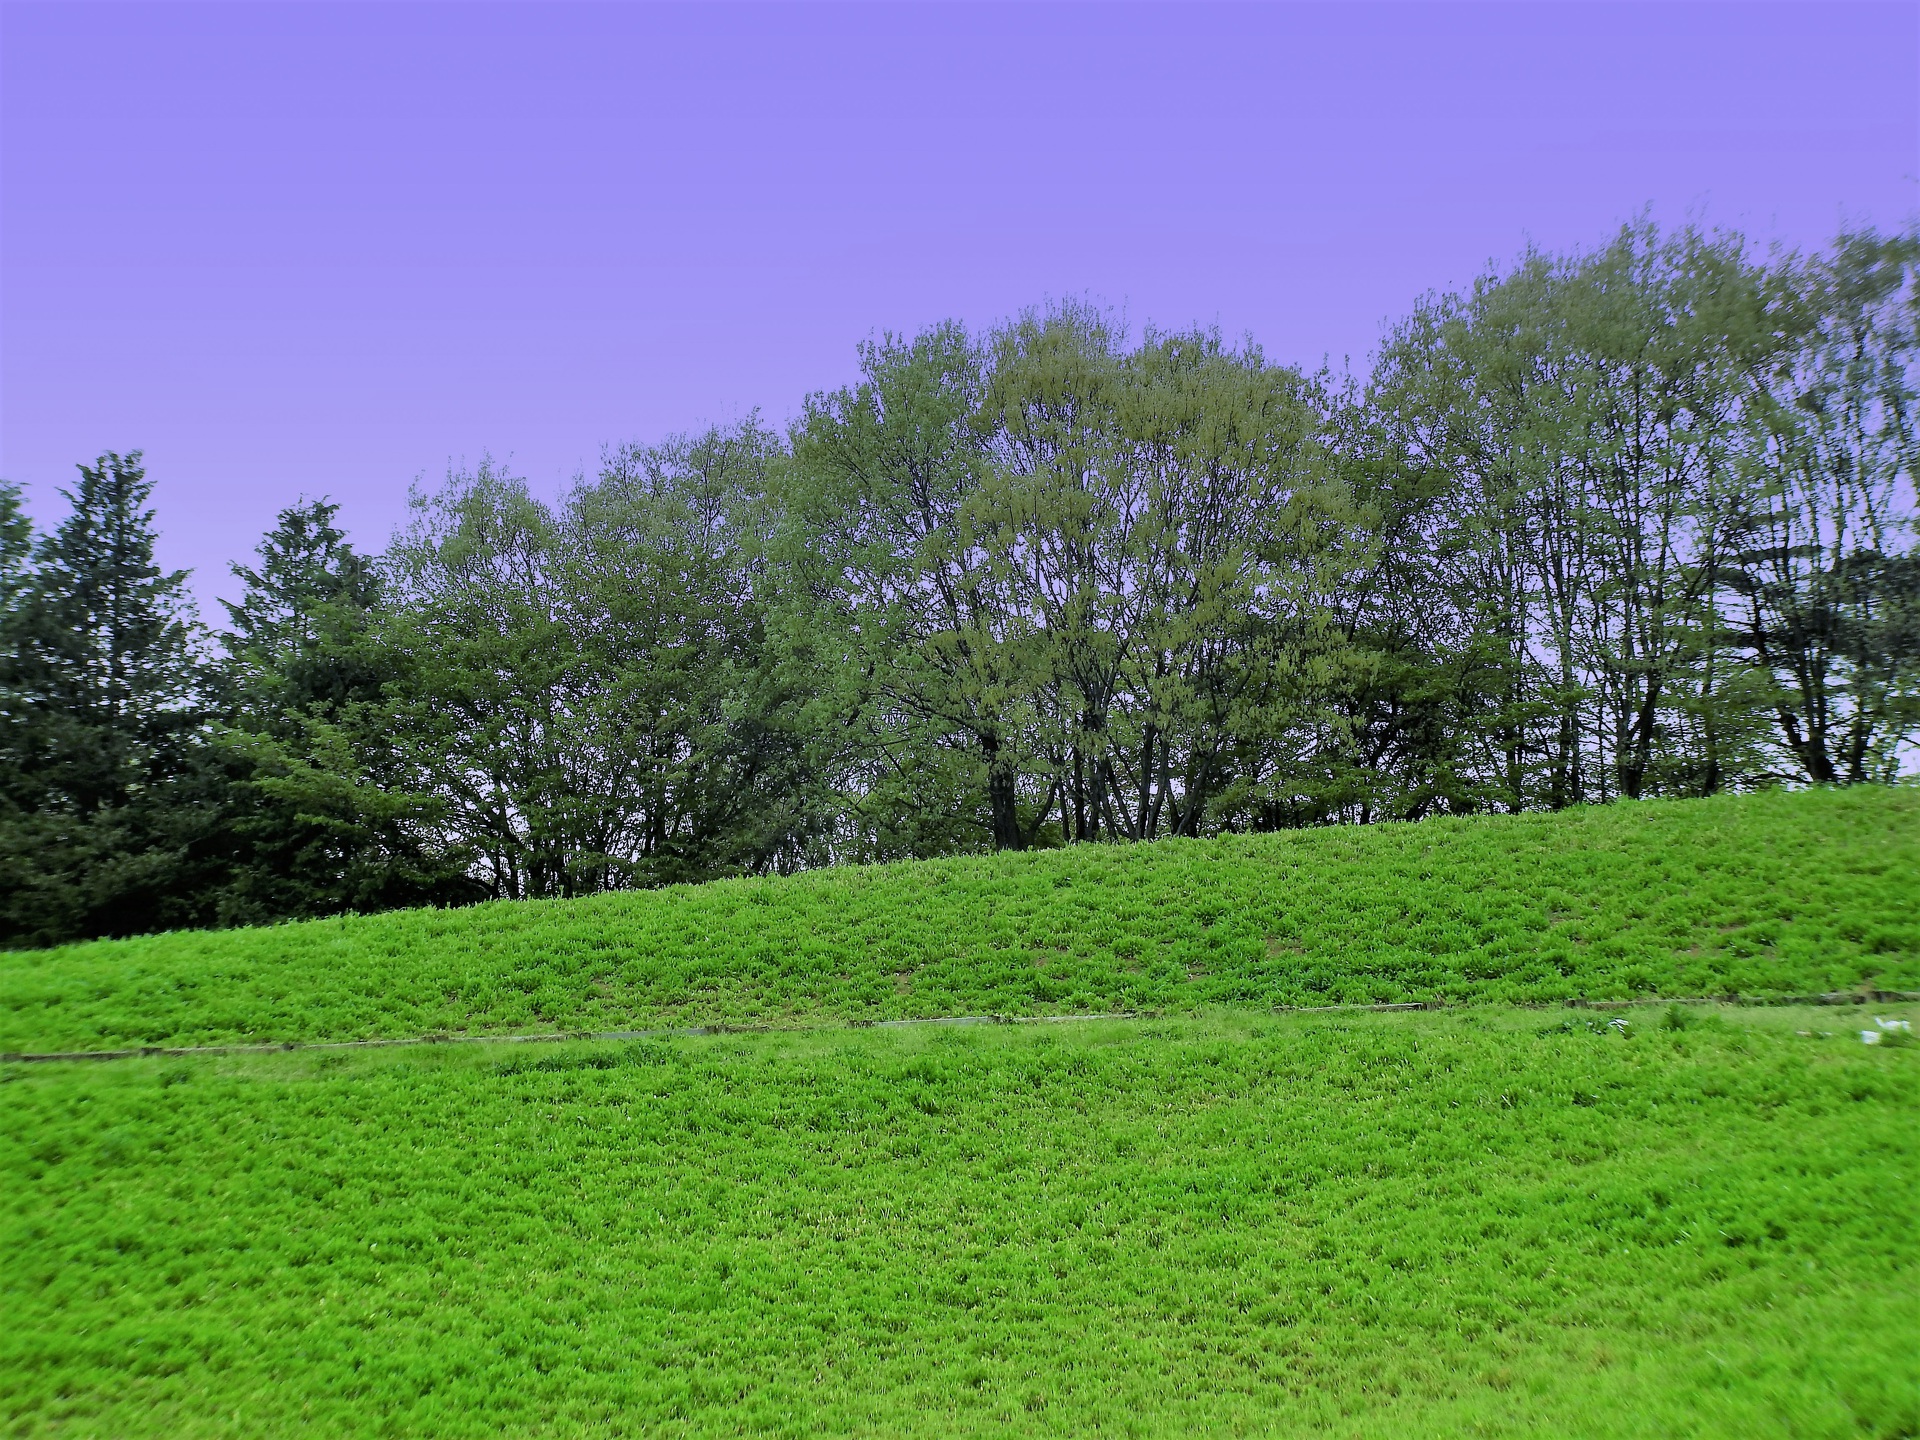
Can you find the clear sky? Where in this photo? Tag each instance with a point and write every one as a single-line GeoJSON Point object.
{"type": "Point", "coordinates": [301, 249]}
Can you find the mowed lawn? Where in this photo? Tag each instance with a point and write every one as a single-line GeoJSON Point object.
{"type": "Point", "coordinates": [1482, 1221]}
{"type": "Point", "coordinates": [1762, 895]}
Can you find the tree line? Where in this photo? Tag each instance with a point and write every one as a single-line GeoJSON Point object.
{"type": "Point", "coordinates": [1636, 521]}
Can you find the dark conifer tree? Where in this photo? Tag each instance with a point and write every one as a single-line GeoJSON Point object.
{"type": "Point", "coordinates": [316, 817]}
{"type": "Point", "coordinates": [100, 739]}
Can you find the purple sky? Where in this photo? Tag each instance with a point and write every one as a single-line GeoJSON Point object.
{"type": "Point", "coordinates": [316, 249]}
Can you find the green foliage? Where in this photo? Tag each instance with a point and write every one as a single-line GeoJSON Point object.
{"type": "Point", "coordinates": [309, 586]}
{"type": "Point", "coordinates": [316, 814]}
{"type": "Point", "coordinates": [1763, 894]}
{"type": "Point", "coordinates": [1384, 1226]}
{"type": "Point", "coordinates": [1822, 563]}
{"type": "Point", "coordinates": [1093, 573]}
{"type": "Point", "coordinates": [587, 692]}
{"type": "Point", "coordinates": [16, 548]}
{"type": "Point", "coordinates": [1580, 419]}
{"type": "Point", "coordinates": [1634, 521]}
{"type": "Point", "coordinates": [102, 798]}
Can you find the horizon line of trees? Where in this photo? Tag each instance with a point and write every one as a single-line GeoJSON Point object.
{"type": "Point", "coordinates": [1637, 521]}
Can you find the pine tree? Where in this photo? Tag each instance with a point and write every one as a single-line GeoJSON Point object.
{"type": "Point", "coordinates": [99, 743]}
{"type": "Point", "coordinates": [296, 634]}
{"type": "Point", "coordinates": [104, 645]}
{"type": "Point", "coordinates": [316, 818]}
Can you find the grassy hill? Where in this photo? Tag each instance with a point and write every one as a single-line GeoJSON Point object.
{"type": "Point", "coordinates": [1762, 894]}
{"type": "Point", "coordinates": [1484, 1220]}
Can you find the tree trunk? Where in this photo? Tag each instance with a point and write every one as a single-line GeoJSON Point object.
{"type": "Point", "coordinates": [1001, 797]}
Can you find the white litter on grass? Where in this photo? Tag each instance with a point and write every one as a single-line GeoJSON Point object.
{"type": "Point", "coordinates": [1903, 1025]}
{"type": "Point", "coordinates": [1869, 1037]}
{"type": "Point", "coordinates": [1621, 1025]}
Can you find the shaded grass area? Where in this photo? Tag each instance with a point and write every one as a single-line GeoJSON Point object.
{"type": "Point", "coordinates": [1762, 894]}
{"type": "Point", "coordinates": [1385, 1225]}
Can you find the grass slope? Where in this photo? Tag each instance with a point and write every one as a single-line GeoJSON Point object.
{"type": "Point", "coordinates": [1480, 1222]}
{"type": "Point", "coordinates": [1774, 893]}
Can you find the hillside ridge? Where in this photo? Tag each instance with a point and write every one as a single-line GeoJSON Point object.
{"type": "Point", "coordinates": [1775, 893]}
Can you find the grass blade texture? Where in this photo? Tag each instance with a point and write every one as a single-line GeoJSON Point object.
{"type": "Point", "coordinates": [1761, 894]}
{"type": "Point", "coordinates": [1477, 1222]}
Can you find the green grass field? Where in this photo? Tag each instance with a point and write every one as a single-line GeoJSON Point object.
{"type": "Point", "coordinates": [1476, 1222]}
{"type": "Point", "coordinates": [1484, 1220]}
{"type": "Point", "coordinates": [1763, 894]}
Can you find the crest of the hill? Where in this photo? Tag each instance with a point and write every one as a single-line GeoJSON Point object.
{"type": "Point", "coordinates": [1775, 893]}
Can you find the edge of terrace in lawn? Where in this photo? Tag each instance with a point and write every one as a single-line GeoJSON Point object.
{"type": "Point", "coordinates": [593, 1036]}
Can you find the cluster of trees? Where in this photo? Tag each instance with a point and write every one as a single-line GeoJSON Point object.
{"type": "Point", "coordinates": [1632, 522]}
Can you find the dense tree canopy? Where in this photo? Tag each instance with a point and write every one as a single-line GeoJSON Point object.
{"type": "Point", "coordinates": [1632, 522]}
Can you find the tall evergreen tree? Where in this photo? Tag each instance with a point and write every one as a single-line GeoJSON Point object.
{"type": "Point", "coordinates": [101, 680]}
{"type": "Point", "coordinates": [102, 648]}
{"type": "Point", "coordinates": [308, 591]}
{"type": "Point", "coordinates": [317, 817]}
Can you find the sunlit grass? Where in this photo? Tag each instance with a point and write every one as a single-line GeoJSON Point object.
{"type": "Point", "coordinates": [1763, 894]}
{"type": "Point", "coordinates": [1482, 1221]}
{"type": "Point", "coordinates": [1219, 1219]}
